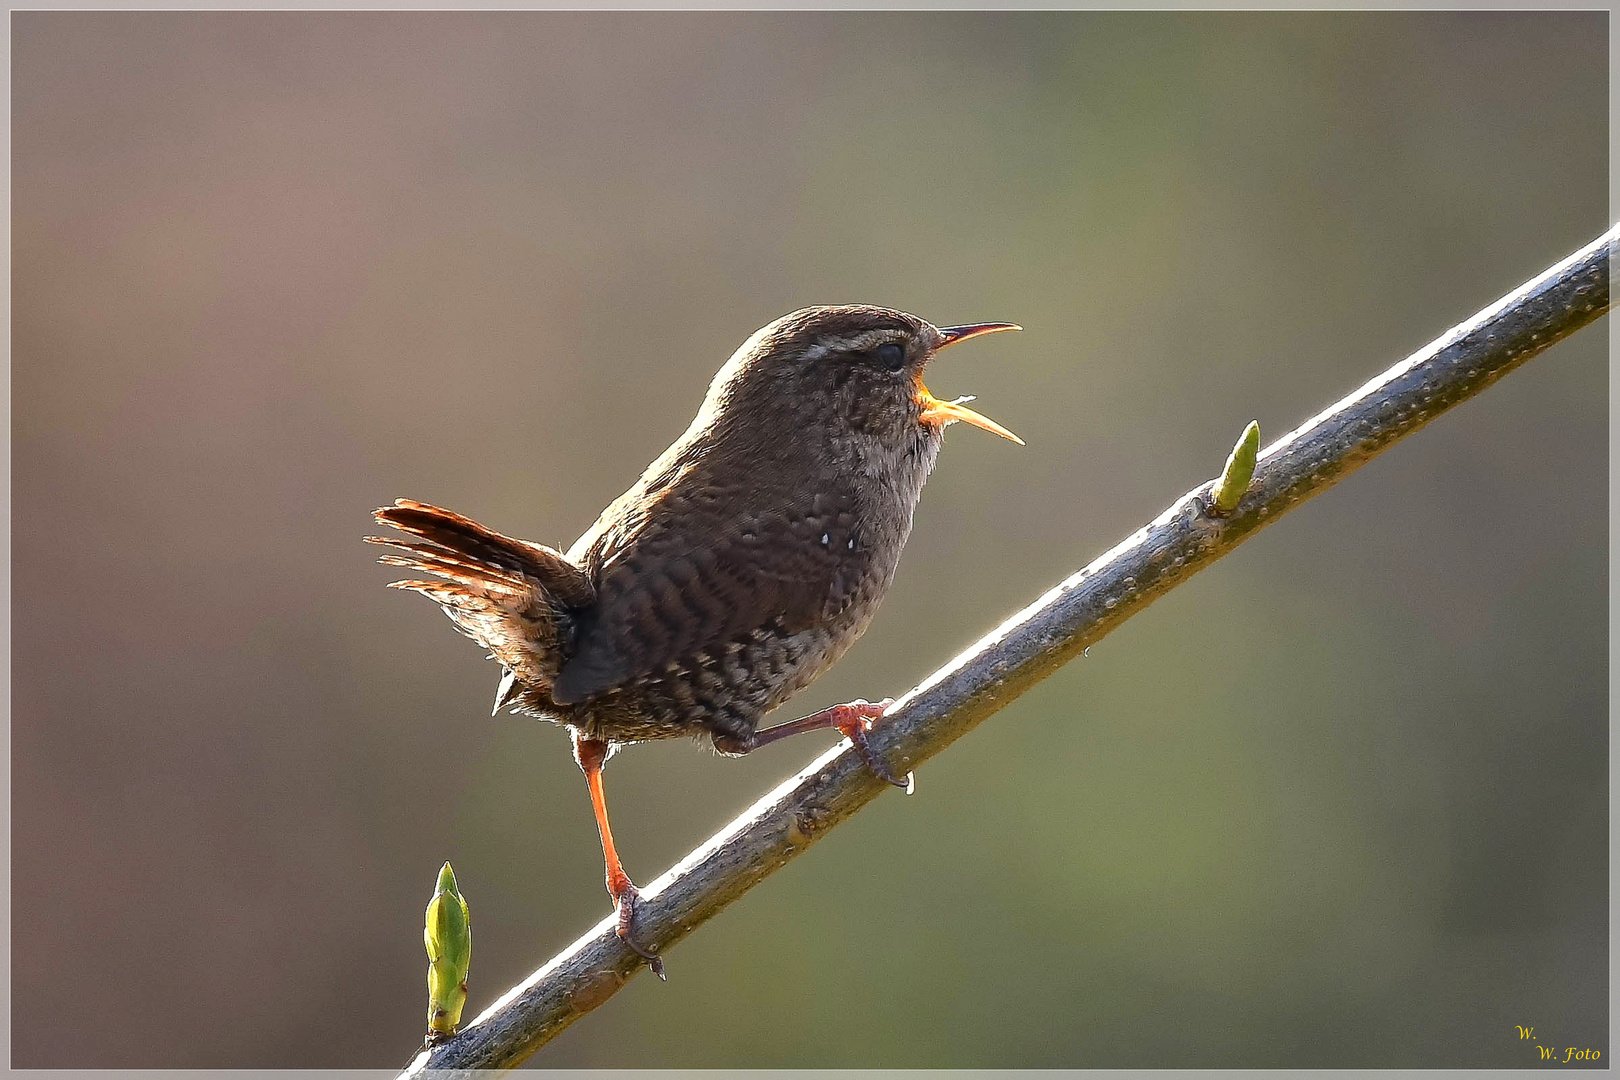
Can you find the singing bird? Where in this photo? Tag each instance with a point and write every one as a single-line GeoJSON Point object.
{"type": "Point", "coordinates": [741, 565]}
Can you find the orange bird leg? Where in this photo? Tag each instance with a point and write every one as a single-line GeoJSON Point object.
{"type": "Point", "coordinates": [591, 755]}
{"type": "Point", "coordinates": [851, 721]}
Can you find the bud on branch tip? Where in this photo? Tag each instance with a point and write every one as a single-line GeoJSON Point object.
{"type": "Point", "coordinates": [448, 937]}
{"type": "Point", "coordinates": [1239, 471]}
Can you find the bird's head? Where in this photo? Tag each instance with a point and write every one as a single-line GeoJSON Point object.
{"type": "Point", "coordinates": [852, 368]}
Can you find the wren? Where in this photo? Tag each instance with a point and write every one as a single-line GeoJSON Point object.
{"type": "Point", "coordinates": [741, 565]}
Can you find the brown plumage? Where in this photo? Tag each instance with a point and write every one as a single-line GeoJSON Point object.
{"type": "Point", "coordinates": [741, 565]}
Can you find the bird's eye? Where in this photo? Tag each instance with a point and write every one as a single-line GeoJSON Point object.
{"type": "Point", "coordinates": [891, 356]}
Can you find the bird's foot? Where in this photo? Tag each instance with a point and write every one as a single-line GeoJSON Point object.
{"type": "Point", "coordinates": [853, 721]}
{"type": "Point", "coordinates": [625, 902]}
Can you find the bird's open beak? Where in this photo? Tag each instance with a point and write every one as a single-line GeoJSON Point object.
{"type": "Point", "coordinates": [935, 411]}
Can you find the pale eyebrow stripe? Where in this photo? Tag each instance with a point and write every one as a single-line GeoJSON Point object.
{"type": "Point", "coordinates": [871, 339]}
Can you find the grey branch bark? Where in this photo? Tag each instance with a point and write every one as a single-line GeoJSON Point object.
{"type": "Point", "coordinates": [1032, 644]}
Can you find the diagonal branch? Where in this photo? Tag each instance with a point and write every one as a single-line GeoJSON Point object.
{"type": "Point", "coordinates": [1035, 642]}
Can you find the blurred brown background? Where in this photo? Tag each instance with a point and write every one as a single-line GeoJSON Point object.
{"type": "Point", "coordinates": [1342, 800]}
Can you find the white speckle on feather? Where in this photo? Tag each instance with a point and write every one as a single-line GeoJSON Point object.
{"type": "Point", "coordinates": [824, 539]}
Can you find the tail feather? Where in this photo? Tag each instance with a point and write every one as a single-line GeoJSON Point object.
{"type": "Point", "coordinates": [515, 598]}
{"type": "Point", "coordinates": [470, 575]}
{"type": "Point", "coordinates": [432, 559]}
{"type": "Point", "coordinates": [565, 581]}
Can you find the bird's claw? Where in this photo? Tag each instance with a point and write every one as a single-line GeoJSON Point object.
{"type": "Point", "coordinates": [625, 902]}
{"type": "Point", "coordinates": [854, 722]}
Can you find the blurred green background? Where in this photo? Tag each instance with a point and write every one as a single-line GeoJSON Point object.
{"type": "Point", "coordinates": [1339, 801]}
